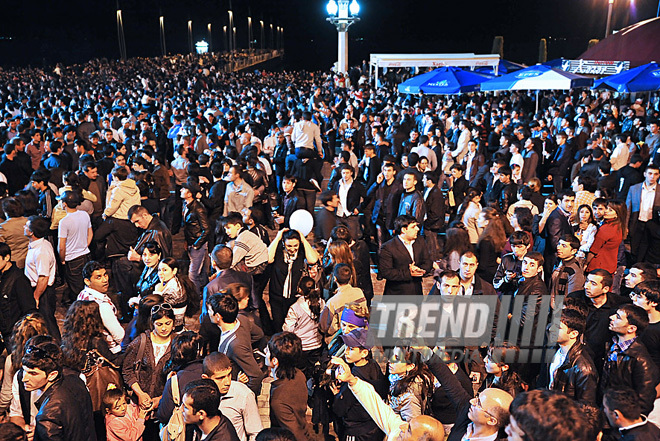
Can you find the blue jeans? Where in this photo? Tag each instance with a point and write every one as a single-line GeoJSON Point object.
{"type": "Point", "coordinates": [197, 271]}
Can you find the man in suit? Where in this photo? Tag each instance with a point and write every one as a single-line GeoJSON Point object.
{"type": "Point", "coordinates": [221, 260]}
{"type": "Point", "coordinates": [628, 176]}
{"type": "Point", "coordinates": [435, 214]}
{"type": "Point", "coordinates": [236, 341]}
{"type": "Point", "coordinates": [352, 200]}
{"type": "Point", "coordinates": [553, 224]}
{"type": "Point", "coordinates": [369, 166]}
{"type": "Point", "coordinates": [472, 162]}
{"type": "Point", "coordinates": [642, 201]}
{"type": "Point", "coordinates": [560, 162]}
{"type": "Point", "coordinates": [531, 159]}
{"type": "Point", "coordinates": [404, 260]}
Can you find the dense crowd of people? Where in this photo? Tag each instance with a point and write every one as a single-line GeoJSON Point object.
{"type": "Point", "coordinates": [104, 163]}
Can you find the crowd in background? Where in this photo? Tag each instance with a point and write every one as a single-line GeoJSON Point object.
{"type": "Point", "coordinates": [155, 201]}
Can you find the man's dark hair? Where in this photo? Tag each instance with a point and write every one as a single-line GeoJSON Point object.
{"type": "Point", "coordinates": [650, 290]}
{"type": "Point", "coordinates": [12, 432]}
{"type": "Point", "coordinates": [12, 208]}
{"type": "Point", "coordinates": [88, 166]}
{"type": "Point", "coordinates": [287, 348]}
{"type": "Point", "coordinates": [536, 256]}
{"type": "Point", "coordinates": [588, 183]}
{"type": "Point", "coordinates": [326, 197]}
{"type": "Point", "coordinates": [636, 158]}
{"type": "Point", "coordinates": [573, 320]}
{"type": "Point", "coordinates": [504, 170]}
{"type": "Point", "coordinates": [648, 270]}
{"type": "Point", "coordinates": [458, 167]}
{"type": "Point", "coordinates": [5, 250]}
{"type": "Point", "coordinates": [274, 434]}
{"type": "Point", "coordinates": [43, 353]}
{"type": "Point", "coordinates": [215, 362]}
{"type": "Point", "coordinates": [205, 396]}
{"type": "Point", "coordinates": [225, 305]}
{"type": "Point", "coordinates": [291, 178]}
{"type": "Point", "coordinates": [525, 193]}
{"type": "Point", "coordinates": [341, 232]}
{"type": "Point", "coordinates": [402, 222]}
{"type": "Point", "coordinates": [625, 400]}
{"type": "Point", "coordinates": [566, 194]}
{"type": "Point", "coordinates": [234, 218]}
{"type": "Point", "coordinates": [137, 210]}
{"type": "Point", "coordinates": [450, 274]}
{"type": "Point", "coordinates": [607, 279]}
{"type": "Point", "coordinates": [90, 267]}
{"type": "Point", "coordinates": [430, 176]}
{"type": "Point", "coordinates": [571, 240]}
{"type": "Point", "coordinates": [222, 256]}
{"type": "Point", "coordinates": [636, 317]}
{"type": "Point", "coordinates": [342, 273]}
{"type": "Point", "coordinates": [121, 173]}
{"type": "Point", "coordinates": [39, 226]}
{"type": "Point", "coordinates": [653, 167]}
{"type": "Point", "coordinates": [519, 238]}
{"type": "Point", "coordinates": [599, 201]}
{"type": "Point", "coordinates": [548, 415]}
{"type": "Point", "coordinates": [41, 175]}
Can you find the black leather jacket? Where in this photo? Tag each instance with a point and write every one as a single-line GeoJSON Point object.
{"type": "Point", "coordinates": [16, 299]}
{"type": "Point", "coordinates": [157, 232]}
{"type": "Point", "coordinates": [577, 376]}
{"type": "Point", "coordinates": [195, 224]}
{"type": "Point", "coordinates": [634, 369]}
{"type": "Point", "coordinates": [65, 412]}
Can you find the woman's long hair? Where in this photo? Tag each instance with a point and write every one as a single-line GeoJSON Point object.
{"type": "Point", "coordinates": [186, 348]}
{"type": "Point", "coordinates": [469, 197]}
{"type": "Point", "coordinates": [143, 319]}
{"type": "Point", "coordinates": [340, 252]}
{"type": "Point", "coordinates": [419, 373]}
{"type": "Point", "coordinates": [189, 288]}
{"type": "Point", "coordinates": [494, 231]}
{"type": "Point", "coordinates": [456, 239]}
{"type": "Point", "coordinates": [621, 215]}
{"type": "Point", "coordinates": [82, 324]}
{"type": "Point", "coordinates": [307, 287]}
{"type": "Point", "coordinates": [24, 329]}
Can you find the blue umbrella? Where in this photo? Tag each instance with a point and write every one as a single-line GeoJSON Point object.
{"type": "Point", "coordinates": [443, 81]}
{"type": "Point", "coordinates": [537, 77]}
{"type": "Point", "coordinates": [503, 68]}
{"type": "Point", "coordinates": [644, 78]}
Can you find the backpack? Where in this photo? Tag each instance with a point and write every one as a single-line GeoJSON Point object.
{"type": "Point", "coordinates": [175, 429]}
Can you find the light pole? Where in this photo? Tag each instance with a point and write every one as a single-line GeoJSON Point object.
{"type": "Point", "coordinates": [232, 43]}
{"type": "Point", "coordinates": [224, 38]}
{"type": "Point", "coordinates": [190, 39]}
{"type": "Point", "coordinates": [272, 38]}
{"type": "Point", "coordinates": [163, 47]}
{"type": "Point", "coordinates": [261, 38]}
{"type": "Point", "coordinates": [120, 34]}
{"type": "Point", "coordinates": [342, 15]}
{"type": "Point", "coordinates": [210, 38]}
{"type": "Point", "coordinates": [249, 33]}
{"type": "Point", "coordinates": [608, 27]}
{"type": "Point", "coordinates": [234, 37]}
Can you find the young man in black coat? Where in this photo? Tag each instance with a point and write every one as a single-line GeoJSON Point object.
{"type": "Point", "coordinates": [201, 409]}
{"type": "Point", "coordinates": [404, 260]}
{"type": "Point", "coordinates": [434, 203]}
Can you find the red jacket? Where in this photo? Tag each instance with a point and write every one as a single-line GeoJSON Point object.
{"type": "Point", "coordinates": [606, 247]}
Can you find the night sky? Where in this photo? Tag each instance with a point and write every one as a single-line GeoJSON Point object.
{"type": "Point", "coordinates": [42, 32]}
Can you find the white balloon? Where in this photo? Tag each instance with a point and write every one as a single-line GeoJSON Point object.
{"type": "Point", "coordinates": [302, 221]}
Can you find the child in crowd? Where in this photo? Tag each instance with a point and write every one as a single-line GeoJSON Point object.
{"type": "Point", "coordinates": [303, 320]}
{"type": "Point", "coordinates": [124, 420]}
{"type": "Point", "coordinates": [354, 421]}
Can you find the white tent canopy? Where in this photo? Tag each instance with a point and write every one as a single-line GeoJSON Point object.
{"type": "Point", "coordinates": [470, 60]}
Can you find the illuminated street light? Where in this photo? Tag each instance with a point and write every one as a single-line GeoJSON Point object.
{"type": "Point", "coordinates": [342, 15]}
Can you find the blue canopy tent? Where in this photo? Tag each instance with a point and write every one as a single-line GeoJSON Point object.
{"type": "Point", "coordinates": [644, 78]}
{"type": "Point", "coordinates": [503, 68]}
{"type": "Point", "coordinates": [537, 78]}
{"type": "Point", "coordinates": [443, 81]}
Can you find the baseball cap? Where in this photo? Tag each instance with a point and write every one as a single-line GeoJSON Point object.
{"type": "Point", "coordinates": [358, 338]}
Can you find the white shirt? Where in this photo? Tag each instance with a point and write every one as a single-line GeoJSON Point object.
{"type": "Point", "coordinates": [40, 261]}
{"type": "Point", "coordinates": [73, 227]}
{"type": "Point", "coordinates": [240, 406]}
{"type": "Point", "coordinates": [557, 361]}
{"type": "Point", "coordinates": [646, 205]}
{"type": "Point", "coordinates": [468, 164]}
{"type": "Point", "coordinates": [409, 247]}
{"type": "Point", "coordinates": [619, 157]}
{"type": "Point", "coordinates": [342, 210]}
{"type": "Point", "coordinates": [305, 133]}
{"type": "Point", "coordinates": [114, 332]}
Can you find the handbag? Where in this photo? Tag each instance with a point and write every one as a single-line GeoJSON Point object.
{"type": "Point", "coordinates": [175, 429]}
{"type": "Point", "coordinates": [99, 372]}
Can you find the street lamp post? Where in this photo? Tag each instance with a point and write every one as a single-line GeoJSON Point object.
{"type": "Point", "coordinates": [120, 34]}
{"type": "Point", "coordinates": [232, 42]}
{"type": "Point", "coordinates": [190, 39]}
{"type": "Point", "coordinates": [163, 47]}
{"type": "Point", "coordinates": [608, 27]}
{"type": "Point", "coordinates": [225, 37]}
{"type": "Point", "coordinates": [342, 15]}
{"type": "Point", "coordinates": [210, 38]}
